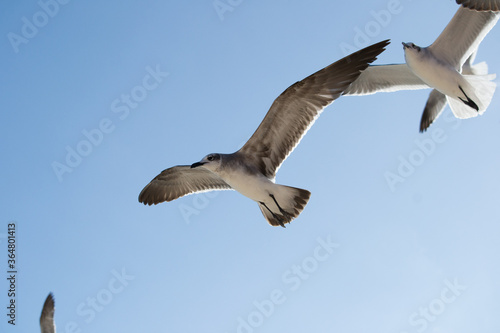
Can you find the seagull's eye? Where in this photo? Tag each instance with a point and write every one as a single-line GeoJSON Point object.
{"type": "Point", "coordinates": [210, 157]}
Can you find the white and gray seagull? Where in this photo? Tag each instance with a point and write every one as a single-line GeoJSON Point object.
{"type": "Point", "coordinates": [251, 170]}
{"type": "Point", "coordinates": [47, 324]}
{"type": "Point", "coordinates": [444, 66]}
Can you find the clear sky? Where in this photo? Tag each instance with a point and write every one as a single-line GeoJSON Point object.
{"type": "Point", "coordinates": [98, 98]}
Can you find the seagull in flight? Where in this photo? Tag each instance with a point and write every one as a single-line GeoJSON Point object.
{"type": "Point", "coordinates": [47, 324]}
{"type": "Point", "coordinates": [445, 65]}
{"type": "Point", "coordinates": [252, 169]}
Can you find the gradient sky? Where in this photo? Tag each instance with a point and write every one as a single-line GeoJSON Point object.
{"type": "Point", "coordinates": [140, 86]}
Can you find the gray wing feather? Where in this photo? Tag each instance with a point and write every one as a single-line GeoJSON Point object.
{"type": "Point", "coordinates": [433, 108]}
{"type": "Point", "coordinates": [179, 181]}
{"type": "Point", "coordinates": [481, 5]}
{"type": "Point", "coordinates": [462, 35]}
{"type": "Point", "coordinates": [47, 324]}
{"type": "Point", "coordinates": [296, 109]}
{"type": "Point", "coordinates": [385, 78]}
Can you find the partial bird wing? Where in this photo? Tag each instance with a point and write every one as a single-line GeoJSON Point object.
{"type": "Point", "coordinates": [462, 35]}
{"type": "Point", "coordinates": [470, 60]}
{"type": "Point", "coordinates": [385, 78]}
{"type": "Point", "coordinates": [433, 109]}
{"type": "Point", "coordinates": [179, 181]}
{"type": "Point", "coordinates": [481, 5]}
{"type": "Point", "coordinates": [469, 68]}
{"type": "Point", "coordinates": [47, 324]}
{"type": "Point", "coordinates": [296, 109]}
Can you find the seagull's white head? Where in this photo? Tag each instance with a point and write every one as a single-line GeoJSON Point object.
{"type": "Point", "coordinates": [210, 162]}
{"type": "Point", "coordinates": [414, 53]}
{"type": "Point", "coordinates": [411, 48]}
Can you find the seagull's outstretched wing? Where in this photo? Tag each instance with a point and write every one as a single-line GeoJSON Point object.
{"type": "Point", "coordinates": [481, 5]}
{"type": "Point", "coordinates": [435, 105]}
{"type": "Point", "coordinates": [47, 324]}
{"type": "Point", "coordinates": [179, 181]}
{"type": "Point", "coordinates": [385, 78]}
{"type": "Point", "coordinates": [295, 110]}
{"type": "Point", "coordinates": [462, 35]}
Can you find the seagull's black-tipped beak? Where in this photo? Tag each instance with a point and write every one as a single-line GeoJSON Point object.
{"type": "Point", "coordinates": [197, 164]}
{"type": "Point", "coordinates": [405, 45]}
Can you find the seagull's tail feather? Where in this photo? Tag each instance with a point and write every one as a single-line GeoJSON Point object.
{"type": "Point", "coordinates": [484, 88]}
{"type": "Point", "coordinates": [480, 90]}
{"type": "Point", "coordinates": [291, 200]}
{"type": "Point", "coordinates": [479, 69]}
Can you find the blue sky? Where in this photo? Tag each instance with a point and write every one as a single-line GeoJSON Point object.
{"type": "Point", "coordinates": [136, 87]}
